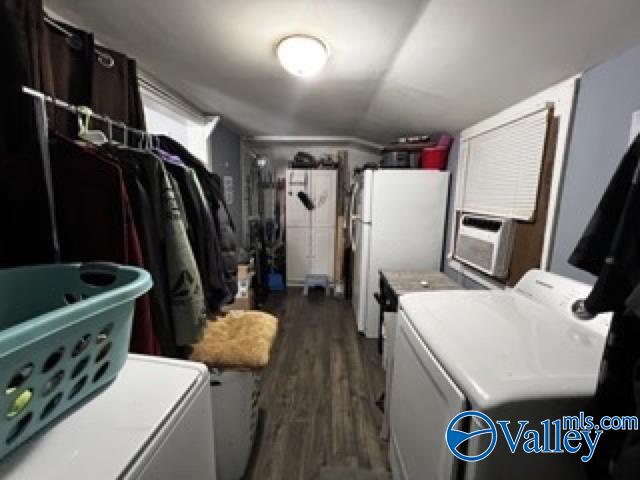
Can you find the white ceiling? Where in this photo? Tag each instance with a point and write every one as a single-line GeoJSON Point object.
{"type": "Point", "coordinates": [397, 66]}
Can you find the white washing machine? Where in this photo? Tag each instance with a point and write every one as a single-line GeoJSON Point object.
{"type": "Point", "coordinates": [152, 423]}
{"type": "Point", "coordinates": [511, 354]}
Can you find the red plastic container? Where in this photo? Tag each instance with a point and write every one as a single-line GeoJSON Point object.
{"type": "Point", "coordinates": [435, 158]}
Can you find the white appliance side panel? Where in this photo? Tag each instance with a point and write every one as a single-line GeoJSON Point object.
{"type": "Point", "coordinates": [361, 274]}
{"type": "Point", "coordinates": [298, 254]}
{"type": "Point", "coordinates": [187, 447]}
{"type": "Point", "coordinates": [408, 216]}
{"type": "Point", "coordinates": [323, 251]}
{"type": "Point", "coordinates": [423, 402]}
{"type": "Point", "coordinates": [408, 225]}
{"type": "Point", "coordinates": [389, 334]}
{"type": "Point", "coordinates": [366, 196]}
{"type": "Point", "coordinates": [357, 270]}
{"type": "Point", "coordinates": [323, 194]}
{"type": "Point", "coordinates": [297, 214]}
{"type": "Point", "coordinates": [106, 437]}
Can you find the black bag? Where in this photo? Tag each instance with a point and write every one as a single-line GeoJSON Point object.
{"type": "Point", "coordinates": [303, 160]}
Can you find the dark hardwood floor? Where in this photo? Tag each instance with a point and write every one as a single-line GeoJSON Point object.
{"type": "Point", "coordinates": [318, 393]}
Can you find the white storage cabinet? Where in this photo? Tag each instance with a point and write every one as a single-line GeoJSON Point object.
{"type": "Point", "coordinates": [310, 233]}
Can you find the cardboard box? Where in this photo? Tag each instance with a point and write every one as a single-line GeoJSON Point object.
{"type": "Point", "coordinates": [241, 303]}
{"type": "Point", "coordinates": [244, 281]}
{"type": "Point", "coordinates": [243, 271]}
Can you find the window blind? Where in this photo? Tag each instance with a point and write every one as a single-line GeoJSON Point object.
{"type": "Point", "coordinates": [502, 168]}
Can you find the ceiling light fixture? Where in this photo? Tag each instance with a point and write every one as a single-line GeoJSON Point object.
{"type": "Point", "coordinates": [302, 55]}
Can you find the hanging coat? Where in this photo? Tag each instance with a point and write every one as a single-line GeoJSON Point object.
{"type": "Point", "coordinates": [186, 298]}
{"type": "Point", "coordinates": [202, 235]}
{"type": "Point", "coordinates": [610, 249]}
{"type": "Point", "coordinates": [211, 186]}
{"type": "Point", "coordinates": [153, 256]}
{"type": "Point", "coordinates": [95, 222]}
{"type": "Point", "coordinates": [610, 246]}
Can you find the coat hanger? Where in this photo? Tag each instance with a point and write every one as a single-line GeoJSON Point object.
{"type": "Point", "coordinates": [95, 137]}
{"type": "Point", "coordinates": [125, 133]}
{"type": "Point", "coordinates": [143, 141]}
{"type": "Point", "coordinates": [109, 129]}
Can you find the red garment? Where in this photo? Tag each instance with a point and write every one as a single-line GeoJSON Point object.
{"type": "Point", "coordinates": [143, 337]}
{"type": "Point", "coordinates": [95, 222]}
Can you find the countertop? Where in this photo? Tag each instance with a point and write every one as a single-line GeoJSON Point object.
{"type": "Point", "coordinates": [402, 282]}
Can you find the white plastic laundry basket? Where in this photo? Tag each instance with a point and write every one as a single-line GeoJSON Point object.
{"type": "Point", "coordinates": [234, 402]}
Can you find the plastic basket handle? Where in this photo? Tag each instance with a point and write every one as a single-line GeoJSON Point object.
{"type": "Point", "coordinates": [99, 274]}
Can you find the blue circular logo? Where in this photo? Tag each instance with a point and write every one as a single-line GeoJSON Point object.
{"type": "Point", "coordinates": [456, 438]}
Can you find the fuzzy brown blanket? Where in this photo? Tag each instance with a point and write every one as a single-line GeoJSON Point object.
{"type": "Point", "coordinates": [239, 340]}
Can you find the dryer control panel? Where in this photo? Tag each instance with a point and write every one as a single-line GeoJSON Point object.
{"type": "Point", "coordinates": [561, 294]}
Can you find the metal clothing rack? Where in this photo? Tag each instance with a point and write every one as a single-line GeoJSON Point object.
{"type": "Point", "coordinates": [40, 100]}
{"type": "Point", "coordinates": [82, 110]}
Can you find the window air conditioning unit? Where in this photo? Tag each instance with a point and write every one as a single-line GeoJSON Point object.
{"type": "Point", "coordinates": [485, 243]}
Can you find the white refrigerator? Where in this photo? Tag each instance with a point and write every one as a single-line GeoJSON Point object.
{"type": "Point", "coordinates": [397, 222]}
{"type": "Point", "coordinates": [154, 422]}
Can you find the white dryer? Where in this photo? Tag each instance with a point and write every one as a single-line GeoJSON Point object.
{"type": "Point", "coordinates": [512, 354]}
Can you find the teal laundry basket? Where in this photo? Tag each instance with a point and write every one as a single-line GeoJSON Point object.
{"type": "Point", "coordinates": [64, 333]}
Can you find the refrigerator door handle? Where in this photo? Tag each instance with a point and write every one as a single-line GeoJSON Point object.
{"type": "Point", "coordinates": [354, 241]}
{"type": "Point", "coordinates": [353, 217]}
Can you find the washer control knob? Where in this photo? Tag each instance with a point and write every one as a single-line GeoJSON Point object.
{"type": "Point", "coordinates": [580, 311]}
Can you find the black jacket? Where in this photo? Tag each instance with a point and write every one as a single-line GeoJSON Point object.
{"type": "Point", "coordinates": [610, 249]}
{"type": "Point", "coordinates": [211, 185]}
{"type": "Point", "coordinates": [186, 297]}
{"type": "Point", "coordinates": [154, 259]}
{"type": "Point", "coordinates": [610, 246]}
{"type": "Point", "coordinates": [202, 235]}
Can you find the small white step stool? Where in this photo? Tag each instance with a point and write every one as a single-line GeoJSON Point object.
{"type": "Point", "coordinates": [317, 280]}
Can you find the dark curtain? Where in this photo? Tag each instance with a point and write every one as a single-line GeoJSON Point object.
{"type": "Point", "coordinates": [26, 224]}
{"type": "Point", "coordinates": [64, 63]}
{"type": "Point", "coordinates": [70, 61]}
{"type": "Point", "coordinates": [136, 111]}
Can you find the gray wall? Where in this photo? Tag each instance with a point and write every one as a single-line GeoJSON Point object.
{"type": "Point", "coordinates": [280, 154]}
{"type": "Point", "coordinates": [225, 153]}
{"type": "Point", "coordinates": [608, 95]}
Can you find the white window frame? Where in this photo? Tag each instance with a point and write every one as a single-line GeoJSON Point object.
{"type": "Point", "coordinates": [562, 99]}
{"type": "Point", "coordinates": [197, 127]}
